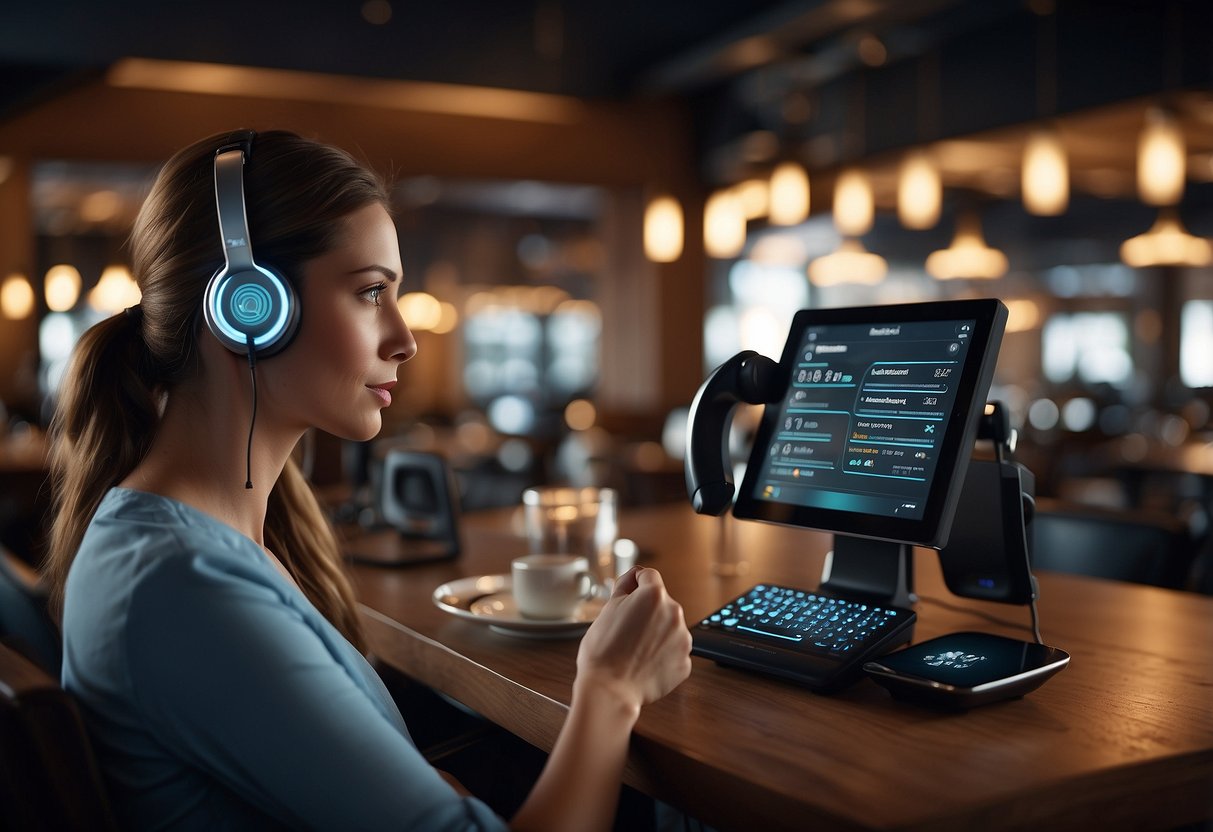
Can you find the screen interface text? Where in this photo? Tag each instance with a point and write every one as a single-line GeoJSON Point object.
{"type": "Point", "coordinates": [864, 417]}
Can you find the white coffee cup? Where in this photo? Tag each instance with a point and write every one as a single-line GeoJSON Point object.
{"type": "Point", "coordinates": [550, 587]}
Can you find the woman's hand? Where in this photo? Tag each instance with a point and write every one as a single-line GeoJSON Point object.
{"type": "Point", "coordinates": [639, 647]}
{"type": "Point", "coordinates": [637, 651]}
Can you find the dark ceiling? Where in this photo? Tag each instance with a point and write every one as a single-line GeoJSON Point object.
{"type": "Point", "coordinates": [831, 81]}
{"type": "Point", "coordinates": [919, 69]}
{"type": "Point", "coordinates": [592, 49]}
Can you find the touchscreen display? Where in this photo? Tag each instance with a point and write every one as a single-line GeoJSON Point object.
{"type": "Point", "coordinates": [864, 418]}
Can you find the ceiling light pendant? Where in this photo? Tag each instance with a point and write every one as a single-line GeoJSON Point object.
{"type": "Point", "coordinates": [1046, 174]}
{"type": "Point", "coordinates": [968, 256]}
{"type": "Point", "coordinates": [919, 191]}
{"type": "Point", "coordinates": [115, 291]}
{"type": "Point", "coordinates": [755, 196]}
{"type": "Point", "coordinates": [62, 287]}
{"type": "Point", "coordinates": [789, 194]}
{"type": "Point", "coordinates": [853, 203]}
{"type": "Point", "coordinates": [1167, 243]}
{"type": "Point", "coordinates": [663, 229]}
{"type": "Point", "coordinates": [724, 227]}
{"type": "Point", "coordinates": [1160, 159]}
{"type": "Point", "coordinates": [850, 263]}
{"type": "Point", "coordinates": [16, 297]}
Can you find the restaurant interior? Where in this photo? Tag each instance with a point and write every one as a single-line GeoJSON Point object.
{"type": "Point", "coordinates": [597, 206]}
{"type": "Point", "coordinates": [599, 203]}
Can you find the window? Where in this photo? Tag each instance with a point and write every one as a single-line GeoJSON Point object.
{"type": "Point", "coordinates": [1196, 344]}
{"type": "Point", "coordinates": [1092, 347]}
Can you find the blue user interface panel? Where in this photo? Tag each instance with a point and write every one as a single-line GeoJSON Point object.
{"type": "Point", "coordinates": [865, 415]}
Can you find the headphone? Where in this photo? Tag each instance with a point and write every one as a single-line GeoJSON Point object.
{"type": "Point", "coordinates": [249, 307]}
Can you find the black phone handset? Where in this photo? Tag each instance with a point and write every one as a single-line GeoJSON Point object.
{"type": "Point", "coordinates": [746, 377]}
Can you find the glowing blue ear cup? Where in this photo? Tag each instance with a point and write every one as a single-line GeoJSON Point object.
{"type": "Point", "coordinates": [254, 304]}
{"type": "Point", "coordinates": [246, 303]}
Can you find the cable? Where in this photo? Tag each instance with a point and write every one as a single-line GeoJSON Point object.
{"type": "Point", "coordinates": [980, 613]}
{"type": "Point", "coordinates": [248, 453]}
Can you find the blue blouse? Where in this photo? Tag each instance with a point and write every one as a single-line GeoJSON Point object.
{"type": "Point", "coordinates": [219, 698]}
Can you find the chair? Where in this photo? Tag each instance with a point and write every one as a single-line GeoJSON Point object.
{"type": "Point", "coordinates": [1143, 547]}
{"type": "Point", "coordinates": [25, 621]}
{"type": "Point", "coordinates": [49, 778]}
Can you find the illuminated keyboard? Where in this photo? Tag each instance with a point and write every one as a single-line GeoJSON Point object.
{"type": "Point", "coordinates": [817, 639]}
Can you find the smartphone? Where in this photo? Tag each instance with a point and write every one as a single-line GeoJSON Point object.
{"type": "Point", "coordinates": [963, 670]}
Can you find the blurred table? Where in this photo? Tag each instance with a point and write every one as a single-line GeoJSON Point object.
{"type": "Point", "coordinates": [1123, 738]}
{"type": "Point", "coordinates": [24, 493]}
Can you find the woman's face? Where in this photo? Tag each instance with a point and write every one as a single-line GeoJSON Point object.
{"type": "Point", "coordinates": [338, 373]}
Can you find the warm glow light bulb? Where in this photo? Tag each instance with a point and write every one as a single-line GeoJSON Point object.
{"type": "Point", "coordinates": [724, 225]}
{"type": "Point", "coordinates": [853, 203]}
{"type": "Point", "coordinates": [850, 263]}
{"type": "Point", "coordinates": [62, 287]}
{"type": "Point", "coordinates": [1046, 174]}
{"type": "Point", "coordinates": [1160, 159]}
{"type": "Point", "coordinates": [16, 297]}
{"type": "Point", "coordinates": [115, 291]}
{"type": "Point", "coordinates": [580, 414]}
{"type": "Point", "coordinates": [919, 191]}
{"type": "Point", "coordinates": [755, 196]}
{"type": "Point", "coordinates": [1023, 314]}
{"type": "Point", "coordinates": [663, 229]}
{"type": "Point", "coordinates": [1167, 243]}
{"type": "Point", "coordinates": [968, 256]}
{"type": "Point", "coordinates": [448, 318]}
{"type": "Point", "coordinates": [789, 194]}
{"type": "Point", "coordinates": [421, 311]}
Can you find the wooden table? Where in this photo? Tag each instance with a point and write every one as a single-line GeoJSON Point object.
{"type": "Point", "coordinates": [1122, 738]}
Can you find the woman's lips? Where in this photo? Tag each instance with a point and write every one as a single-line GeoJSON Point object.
{"type": "Point", "coordinates": [383, 391]}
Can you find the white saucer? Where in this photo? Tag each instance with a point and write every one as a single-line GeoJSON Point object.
{"type": "Point", "coordinates": [487, 599]}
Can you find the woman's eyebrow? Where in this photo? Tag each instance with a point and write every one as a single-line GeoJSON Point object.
{"type": "Point", "coordinates": [390, 275]}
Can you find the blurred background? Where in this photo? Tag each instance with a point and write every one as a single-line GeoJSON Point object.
{"type": "Point", "coordinates": [600, 201]}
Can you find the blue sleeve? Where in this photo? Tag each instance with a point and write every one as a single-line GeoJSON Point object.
{"type": "Point", "coordinates": [234, 681]}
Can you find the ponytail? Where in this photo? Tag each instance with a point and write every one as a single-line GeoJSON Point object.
{"type": "Point", "coordinates": [299, 532]}
{"type": "Point", "coordinates": [103, 425]}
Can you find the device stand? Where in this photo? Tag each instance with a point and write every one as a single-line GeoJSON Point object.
{"type": "Point", "coordinates": [875, 569]}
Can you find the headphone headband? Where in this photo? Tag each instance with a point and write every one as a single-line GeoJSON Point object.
{"type": "Point", "coordinates": [249, 307]}
{"type": "Point", "coordinates": [229, 201]}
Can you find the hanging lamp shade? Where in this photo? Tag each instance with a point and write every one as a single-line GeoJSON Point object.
{"type": "Point", "coordinates": [16, 297]}
{"type": "Point", "coordinates": [1167, 243]}
{"type": "Point", "coordinates": [724, 228]}
{"type": "Point", "coordinates": [1046, 174]}
{"type": "Point", "coordinates": [853, 203]}
{"type": "Point", "coordinates": [62, 287]}
{"type": "Point", "coordinates": [1160, 159]}
{"type": "Point", "coordinates": [115, 291]}
{"type": "Point", "coordinates": [789, 194]}
{"type": "Point", "coordinates": [849, 263]}
{"type": "Point", "coordinates": [755, 196]}
{"type": "Point", "coordinates": [663, 232]}
{"type": "Point", "coordinates": [968, 256]}
{"type": "Point", "coordinates": [919, 191]}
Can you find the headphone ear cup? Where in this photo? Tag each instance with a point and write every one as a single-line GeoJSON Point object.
{"type": "Point", "coordinates": [255, 304]}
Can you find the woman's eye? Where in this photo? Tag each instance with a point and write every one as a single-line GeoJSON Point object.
{"type": "Point", "coordinates": [374, 292]}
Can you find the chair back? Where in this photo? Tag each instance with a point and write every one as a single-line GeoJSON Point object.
{"type": "Point", "coordinates": [49, 777]}
{"type": "Point", "coordinates": [25, 620]}
{"type": "Point", "coordinates": [1138, 546]}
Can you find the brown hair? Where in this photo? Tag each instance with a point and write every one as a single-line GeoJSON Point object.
{"type": "Point", "coordinates": [296, 192]}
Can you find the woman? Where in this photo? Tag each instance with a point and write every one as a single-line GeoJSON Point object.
{"type": "Point", "coordinates": [209, 631]}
